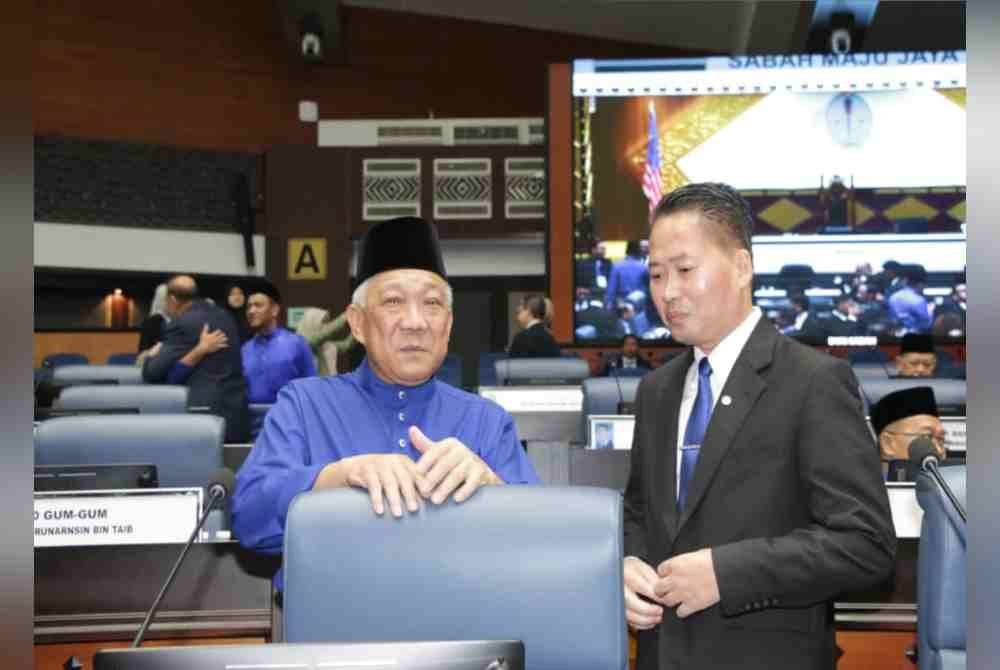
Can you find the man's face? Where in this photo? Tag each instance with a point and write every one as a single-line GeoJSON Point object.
{"type": "Point", "coordinates": [262, 312]}
{"type": "Point", "coordinates": [844, 307]}
{"type": "Point", "coordinates": [914, 364]}
{"type": "Point", "coordinates": [599, 250]}
{"type": "Point", "coordinates": [894, 441]}
{"type": "Point", "coordinates": [700, 287]}
{"type": "Point", "coordinates": [236, 298]}
{"type": "Point", "coordinates": [962, 292]}
{"type": "Point", "coordinates": [603, 436]}
{"type": "Point", "coordinates": [405, 325]}
{"type": "Point", "coordinates": [630, 347]}
{"type": "Point", "coordinates": [523, 316]}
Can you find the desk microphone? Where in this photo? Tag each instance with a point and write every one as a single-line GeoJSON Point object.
{"type": "Point", "coordinates": [923, 455]}
{"type": "Point", "coordinates": [618, 383]}
{"type": "Point", "coordinates": [219, 488]}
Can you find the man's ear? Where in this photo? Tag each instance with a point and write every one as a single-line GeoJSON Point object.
{"type": "Point", "coordinates": [744, 267]}
{"type": "Point", "coordinates": [356, 320]}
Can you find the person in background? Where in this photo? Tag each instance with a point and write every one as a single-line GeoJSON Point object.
{"type": "Point", "coordinates": [195, 352]}
{"type": "Point", "coordinates": [899, 418]}
{"type": "Point", "coordinates": [326, 337]}
{"type": "Point", "coordinates": [629, 278]}
{"type": "Point", "coordinates": [628, 359]}
{"type": "Point", "coordinates": [917, 357]}
{"type": "Point", "coordinates": [908, 306]}
{"type": "Point", "coordinates": [550, 314]}
{"type": "Point", "coordinates": [235, 304]}
{"type": "Point", "coordinates": [804, 322]}
{"type": "Point", "coordinates": [593, 272]}
{"type": "Point", "coordinates": [388, 427]}
{"type": "Point", "coordinates": [843, 322]}
{"type": "Point", "coordinates": [534, 340]}
{"type": "Point", "coordinates": [274, 355]}
{"type": "Point", "coordinates": [151, 330]}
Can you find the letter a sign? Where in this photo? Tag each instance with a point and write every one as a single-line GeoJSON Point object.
{"type": "Point", "coordinates": [307, 258]}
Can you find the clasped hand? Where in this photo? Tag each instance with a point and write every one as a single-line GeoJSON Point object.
{"type": "Point", "coordinates": [686, 582]}
{"type": "Point", "coordinates": [446, 468]}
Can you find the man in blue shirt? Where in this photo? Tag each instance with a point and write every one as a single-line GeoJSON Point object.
{"type": "Point", "coordinates": [274, 356]}
{"type": "Point", "coordinates": [908, 306]}
{"type": "Point", "coordinates": [629, 278]}
{"type": "Point", "coordinates": [389, 427]}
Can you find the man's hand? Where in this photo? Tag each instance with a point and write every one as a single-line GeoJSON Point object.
{"type": "Point", "coordinates": [386, 477]}
{"type": "Point", "coordinates": [448, 465]}
{"type": "Point", "coordinates": [640, 579]}
{"type": "Point", "coordinates": [688, 582]}
{"type": "Point", "coordinates": [211, 341]}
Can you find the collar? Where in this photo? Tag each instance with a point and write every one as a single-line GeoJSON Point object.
{"type": "Point", "coordinates": [724, 355]}
{"type": "Point", "coordinates": [532, 323]}
{"type": "Point", "coordinates": [267, 337]}
{"type": "Point", "coordinates": [386, 393]}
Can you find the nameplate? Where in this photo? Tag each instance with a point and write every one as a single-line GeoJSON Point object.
{"type": "Point", "coordinates": [954, 433]}
{"type": "Point", "coordinates": [906, 511]}
{"type": "Point", "coordinates": [535, 399]}
{"type": "Point", "coordinates": [611, 431]}
{"type": "Point", "coordinates": [129, 516]}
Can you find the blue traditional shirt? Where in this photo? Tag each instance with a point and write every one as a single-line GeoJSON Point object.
{"type": "Point", "coordinates": [320, 420]}
{"type": "Point", "coordinates": [909, 308]}
{"type": "Point", "coordinates": [271, 360]}
{"type": "Point", "coordinates": [627, 276]}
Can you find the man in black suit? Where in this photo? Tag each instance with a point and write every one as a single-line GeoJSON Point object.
{"type": "Point", "coordinates": [755, 494]}
{"type": "Point", "coordinates": [535, 340]}
{"type": "Point", "coordinates": [629, 358]}
{"type": "Point", "coordinates": [595, 271]}
{"type": "Point", "coordinates": [196, 351]}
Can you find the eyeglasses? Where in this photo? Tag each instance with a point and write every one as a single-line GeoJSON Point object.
{"type": "Point", "coordinates": [928, 434]}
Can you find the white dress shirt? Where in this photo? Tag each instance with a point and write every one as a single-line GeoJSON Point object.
{"type": "Point", "coordinates": [722, 359]}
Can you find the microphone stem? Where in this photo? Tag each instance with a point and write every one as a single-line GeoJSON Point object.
{"type": "Point", "coordinates": [212, 502]}
{"type": "Point", "coordinates": [932, 467]}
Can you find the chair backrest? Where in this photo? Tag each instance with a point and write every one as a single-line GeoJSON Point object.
{"type": "Point", "coordinates": [57, 360]}
{"type": "Point", "coordinates": [147, 398]}
{"type": "Point", "coordinates": [257, 411]}
{"type": "Point", "coordinates": [450, 371]}
{"type": "Point", "coordinates": [185, 448]}
{"type": "Point", "coordinates": [540, 370]}
{"type": "Point", "coordinates": [94, 374]}
{"type": "Point", "coordinates": [121, 359]}
{"type": "Point", "coordinates": [941, 572]}
{"type": "Point", "coordinates": [602, 395]}
{"type": "Point", "coordinates": [540, 564]}
{"type": "Point", "coordinates": [949, 393]}
{"type": "Point", "coordinates": [487, 368]}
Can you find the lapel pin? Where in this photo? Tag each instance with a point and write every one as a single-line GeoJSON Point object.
{"type": "Point", "coordinates": [726, 400]}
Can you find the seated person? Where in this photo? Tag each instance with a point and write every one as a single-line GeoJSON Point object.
{"type": "Point", "coordinates": [388, 427]}
{"type": "Point", "coordinates": [843, 322]}
{"type": "Point", "coordinates": [274, 355]}
{"type": "Point", "coordinates": [900, 417]}
{"type": "Point", "coordinates": [535, 340]}
{"type": "Point", "coordinates": [917, 357]}
{"type": "Point", "coordinates": [629, 358]}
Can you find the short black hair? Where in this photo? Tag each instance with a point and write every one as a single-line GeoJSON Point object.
{"type": "Point", "coordinates": [630, 336]}
{"type": "Point", "coordinates": [720, 204]}
{"type": "Point", "coordinates": [632, 248]}
{"type": "Point", "coordinates": [535, 304]}
{"type": "Point", "coordinates": [801, 300]}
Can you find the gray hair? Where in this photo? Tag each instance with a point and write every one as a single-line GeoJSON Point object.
{"type": "Point", "coordinates": [360, 296]}
{"type": "Point", "coordinates": [159, 303]}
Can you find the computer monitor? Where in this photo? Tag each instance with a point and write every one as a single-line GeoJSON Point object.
{"type": "Point", "coordinates": [461, 655]}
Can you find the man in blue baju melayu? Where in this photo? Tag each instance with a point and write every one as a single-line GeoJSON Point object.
{"type": "Point", "coordinates": [388, 427]}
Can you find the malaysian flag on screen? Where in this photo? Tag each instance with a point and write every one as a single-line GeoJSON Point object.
{"type": "Point", "coordinates": [651, 175]}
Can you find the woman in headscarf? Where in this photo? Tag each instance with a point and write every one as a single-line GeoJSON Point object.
{"type": "Point", "coordinates": [320, 330]}
{"type": "Point", "coordinates": [236, 303]}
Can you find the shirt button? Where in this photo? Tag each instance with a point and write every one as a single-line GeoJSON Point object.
{"type": "Point", "coordinates": [402, 443]}
{"type": "Point", "coordinates": [402, 394]}
{"type": "Point", "coordinates": [402, 417]}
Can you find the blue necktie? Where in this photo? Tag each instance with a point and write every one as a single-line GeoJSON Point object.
{"type": "Point", "coordinates": [694, 434]}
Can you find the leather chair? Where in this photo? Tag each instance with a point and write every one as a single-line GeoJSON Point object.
{"type": "Point", "coordinates": [58, 360]}
{"type": "Point", "coordinates": [540, 564]}
{"type": "Point", "coordinates": [602, 395]}
{"type": "Point", "coordinates": [185, 448]}
{"type": "Point", "coordinates": [146, 398]}
{"type": "Point", "coordinates": [941, 573]}
{"type": "Point", "coordinates": [541, 370]}
{"type": "Point", "coordinates": [121, 359]}
{"type": "Point", "coordinates": [258, 412]}
{"type": "Point", "coordinates": [70, 375]}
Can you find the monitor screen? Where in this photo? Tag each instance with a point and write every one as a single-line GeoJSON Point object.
{"type": "Point", "coordinates": [853, 167]}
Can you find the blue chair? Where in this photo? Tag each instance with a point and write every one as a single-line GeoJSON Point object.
{"type": "Point", "coordinates": [258, 411]}
{"type": "Point", "coordinates": [185, 448]}
{"type": "Point", "coordinates": [540, 564]}
{"type": "Point", "coordinates": [941, 573]}
{"type": "Point", "coordinates": [602, 395]}
{"type": "Point", "coordinates": [146, 398]}
{"type": "Point", "coordinates": [540, 370]}
{"type": "Point", "coordinates": [56, 360]}
{"type": "Point", "coordinates": [450, 371]}
{"type": "Point", "coordinates": [121, 359]}
{"type": "Point", "coordinates": [71, 375]}
{"type": "Point", "coordinates": [487, 368]}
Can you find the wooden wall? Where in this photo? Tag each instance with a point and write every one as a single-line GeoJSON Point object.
{"type": "Point", "coordinates": [94, 345]}
{"type": "Point", "coordinates": [219, 75]}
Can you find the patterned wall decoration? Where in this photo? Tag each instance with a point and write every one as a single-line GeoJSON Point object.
{"type": "Point", "coordinates": [463, 188]}
{"type": "Point", "coordinates": [524, 188]}
{"type": "Point", "coordinates": [935, 210]}
{"type": "Point", "coordinates": [138, 185]}
{"type": "Point", "coordinates": [391, 188]}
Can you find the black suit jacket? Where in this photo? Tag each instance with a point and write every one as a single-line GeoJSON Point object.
{"type": "Point", "coordinates": [217, 381]}
{"type": "Point", "coordinates": [587, 272]}
{"type": "Point", "coordinates": [787, 493]}
{"type": "Point", "coordinates": [534, 341]}
{"type": "Point", "coordinates": [615, 363]}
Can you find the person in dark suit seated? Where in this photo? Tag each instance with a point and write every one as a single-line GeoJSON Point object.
{"type": "Point", "coordinates": [629, 358]}
{"type": "Point", "coordinates": [900, 417]}
{"type": "Point", "coordinates": [535, 340]}
{"type": "Point", "coordinates": [804, 322]}
{"type": "Point", "coordinates": [842, 321]}
{"type": "Point", "coordinates": [199, 350]}
{"type": "Point", "coordinates": [754, 495]}
{"type": "Point", "coordinates": [917, 357]}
